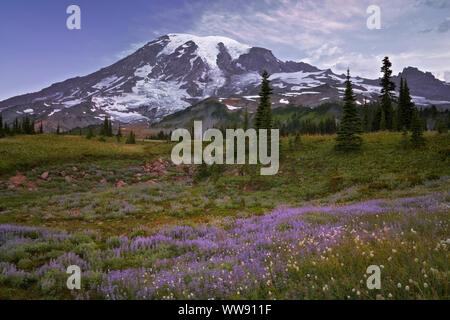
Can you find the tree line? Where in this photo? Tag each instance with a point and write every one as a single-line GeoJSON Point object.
{"type": "Point", "coordinates": [387, 114]}
{"type": "Point", "coordinates": [23, 126]}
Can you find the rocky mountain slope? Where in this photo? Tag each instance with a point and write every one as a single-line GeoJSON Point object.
{"type": "Point", "coordinates": [176, 71]}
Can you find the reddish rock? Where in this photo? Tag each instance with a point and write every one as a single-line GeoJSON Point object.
{"type": "Point", "coordinates": [121, 184]}
{"type": "Point", "coordinates": [44, 175]}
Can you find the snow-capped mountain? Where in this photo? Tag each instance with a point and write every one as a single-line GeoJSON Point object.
{"type": "Point", "coordinates": [178, 70]}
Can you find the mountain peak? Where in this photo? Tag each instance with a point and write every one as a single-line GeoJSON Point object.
{"type": "Point", "coordinates": [178, 70]}
{"type": "Point", "coordinates": [208, 46]}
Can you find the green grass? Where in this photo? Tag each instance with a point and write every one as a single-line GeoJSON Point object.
{"type": "Point", "coordinates": [22, 152]}
{"type": "Point", "coordinates": [311, 173]}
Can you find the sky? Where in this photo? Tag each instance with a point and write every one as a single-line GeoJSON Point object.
{"type": "Point", "coordinates": [37, 49]}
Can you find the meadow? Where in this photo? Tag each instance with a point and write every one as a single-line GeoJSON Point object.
{"type": "Point", "coordinates": [142, 228]}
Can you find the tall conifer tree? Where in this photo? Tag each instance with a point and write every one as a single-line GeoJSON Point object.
{"type": "Point", "coordinates": [401, 120]}
{"type": "Point", "coordinates": [386, 96]}
{"type": "Point", "coordinates": [417, 139]}
{"type": "Point", "coordinates": [350, 126]}
{"type": "Point", "coordinates": [263, 118]}
{"type": "Point", "coordinates": [409, 106]}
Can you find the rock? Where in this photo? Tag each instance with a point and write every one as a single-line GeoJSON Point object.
{"type": "Point", "coordinates": [68, 179]}
{"type": "Point", "coordinates": [121, 184]}
{"type": "Point", "coordinates": [74, 169]}
{"type": "Point", "coordinates": [227, 198]}
{"type": "Point", "coordinates": [103, 180]}
{"type": "Point", "coordinates": [44, 175]}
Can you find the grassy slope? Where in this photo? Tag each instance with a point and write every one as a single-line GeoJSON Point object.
{"type": "Point", "coordinates": [313, 172]}
{"type": "Point", "coordinates": [23, 152]}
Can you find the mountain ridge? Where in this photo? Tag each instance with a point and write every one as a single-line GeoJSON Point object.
{"type": "Point", "coordinates": [176, 71]}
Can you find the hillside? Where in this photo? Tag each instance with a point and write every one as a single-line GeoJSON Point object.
{"type": "Point", "coordinates": [176, 71]}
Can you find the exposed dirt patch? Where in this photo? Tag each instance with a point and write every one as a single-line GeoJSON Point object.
{"type": "Point", "coordinates": [20, 182]}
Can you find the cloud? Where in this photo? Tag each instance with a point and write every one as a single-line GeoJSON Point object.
{"type": "Point", "coordinates": [426, 30]}
{"type": "Point", "coordinates": [439, 4]}
{"type": "Point", "coordinates": [305, 24]}
{"type": "Point", "coordinates": [444, 26]}
{"type": "Point", "coordinates": [333, 33]}
{"type": "Point", "coordinates": [447, 76]}
{"type": "Point", "coordinates": [326, 33]}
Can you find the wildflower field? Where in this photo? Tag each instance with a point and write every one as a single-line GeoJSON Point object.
{"type": "Point", "coordinates": [141, 228]}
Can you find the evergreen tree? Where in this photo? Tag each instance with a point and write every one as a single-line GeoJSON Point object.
{"type": "Point", "coordinates": [110, 129]}
{"type": "Point", "coordinates": [417, 139]}
{"type": "Point", "coordinates": [401, 113]}
{"type": "Point", "coordinates": [41, 128]}
{"type": "Point", "coordinates": [383, 125]}
{"type": "Point", "coordinates": [366, 117]}
{"type": "Point", "coordinates": [409, 106]}
{"type": "Point", "coordinates": [16, 127]}
{"type": "Point", "coordinates": [58, 130]}
{"type": "Point", "coordinates": [386, 96]}
{"type": "Point", "coordinates": [26, 125]}
{"type": "Point", "coordinates": [263, 118]}
{"type": "Point", "coordinates": [376, 121]}
{"type": "Point", "coordinates": [119, 134]}
{"type": "Point", "coordinates": [395, 119]}
{"type": "Point", "coordinates": [350, 126]}
{"type": "Point", "coordinates": [104, 129]}
{"type": "Point", "coordinates": [131, 138]}
{"type": "Point", "coordinates": [6, 129]}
